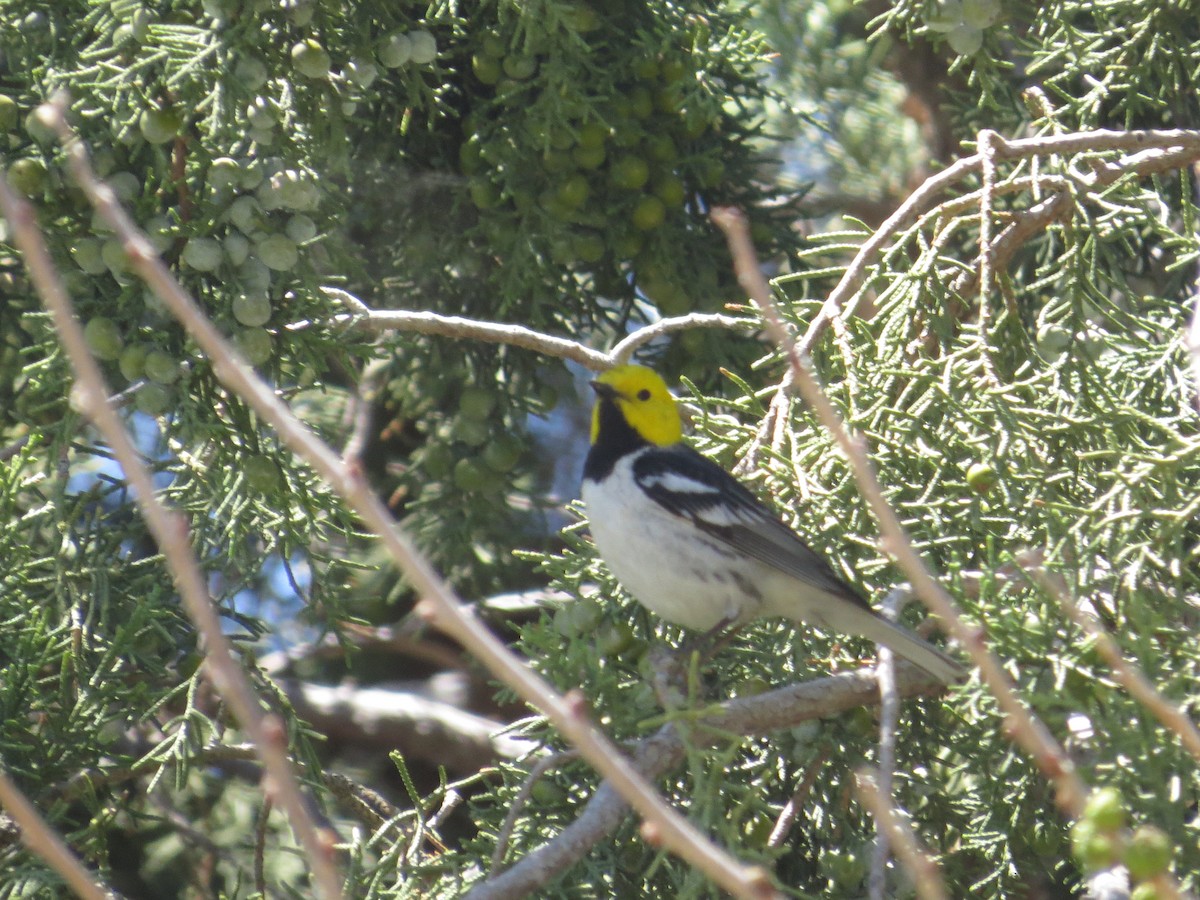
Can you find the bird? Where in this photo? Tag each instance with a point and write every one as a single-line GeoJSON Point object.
{"type": "Point", "coordinates": [692, 544]}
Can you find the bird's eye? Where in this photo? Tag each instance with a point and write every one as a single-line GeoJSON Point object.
{"type": "Point", "coordinates": [644, 394]}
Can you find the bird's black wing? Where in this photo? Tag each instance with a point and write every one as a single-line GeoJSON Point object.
{"type": "Point", "coordinates": [687, 485]}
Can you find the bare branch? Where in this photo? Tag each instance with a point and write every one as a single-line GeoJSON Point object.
{"type": "Point", "coordinates": [791, 809]}
{"type": "Point", "coordinates": [1132, 678]}
{"type": "Point", "coordinates": [35, 832]}
{"type": "Point", "coordinates": [1193, 333]}
{"type": "Point", "coordinates": [169, 528]}
{"type": "Point", "coordinates": [1028, 731]}
{"type": "Point", "coordinates": [1172, 149]}
{"type": "Point", "coordinates": [440, 605]}
{"type": "Point", "coordinates": [889, 715]}
{"type": "Point", "coordinates": [634, 342]}
{"type": "Point", "coordinates": [458, 327]}
{"type": "Point", "coordinates": [416, 725]}
{"type": "Point", "coordinates": [925, 874]}
{"type": "Point", "coordinates": [517, 806]}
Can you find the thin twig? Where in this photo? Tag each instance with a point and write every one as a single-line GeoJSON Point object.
{"type": "Point", "coordinates": [461, 328]}
{"type": "Point", "coordinates": [791, 810]}
{"type": "Point", "coordinates": [35, 832]}
{"type": "Point", "coordinates": [440, 605]}
{"type": "Point", "coordinates": [1060, 205]}
{"type": "Point", "coordinates": [988, 140]}
{"type": "Point", "coordinates": [638, 339]}
{"type": "Point", "coordinates": [889, 715]}
{"type": "Point", "coordinates": [260, 846]}
{"type": "Point", "coordinates": [1128, 673]}
{"type": "Point", "coordinates": [169, 528]}
{"type": "Point", "coordinates": [1182, 146]}
{"type": "Point", "coordinates": [1193, 333]}
{"type": "Point", "coordinates": [1023, 725]}
{"type": "Point", "coordinates": [925, 874]}
{"type": "Point", "coordinates": [517, 806]}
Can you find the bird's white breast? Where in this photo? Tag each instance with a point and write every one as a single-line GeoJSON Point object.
{"type": "Point", "coordinates": [665, 562]}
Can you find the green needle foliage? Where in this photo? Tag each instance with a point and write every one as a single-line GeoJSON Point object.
{"type": "Point", "coordinates": [551, 164]}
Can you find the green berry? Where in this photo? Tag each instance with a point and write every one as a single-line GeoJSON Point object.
{"type": "Point", "coordinates": [470, 476]}
{"type": "Point", "coordinates": [670, 190]}
{"type": "Point", "coordinates": [125, 185]}
{"type": "Point", "coordinates": [629, 172]}
{"type": "Point", "coordinates": [246, 214]}
{"type": "Point", "coordinates": [981, 477]}
{"type": "Point", "coordinates": [132, 362]}
{"type": "Point", "coordinates": [614, 638]}
{"type": "Point", "coordinates": [252, 310]}
{"type": "Point", "coordinates": [1149, 853]}
{"type": "Point", "coordinates": [477, 402]}
{"type": "Point", "coordinates": [311, 60]}
{"type": "Point", "coordinates": [153, 399]}
{"type": "Point", "coordinates": [589, 157]}
{"type": "Point", "coordinates": [236, 247]}
{"type": "Point", "coordinates": [1105, 807]}
{"type": "Point", "coordinates": [520, 67]}
{"type": "Point", "coordinates": [278, 252]}
{"type": "Point", "coordinates": [437, 460]}
{"type": "Point", "coordinates": [8, 113]}
{"type": "Point", "coordinates": [37, 129]}
{"type": "Point", "coordinates": [103, 338]}
{"type": "Point", "coordinates": [573, 192]}
{"type": "Point", "coordinates": [980, 13]}
{"type": "Point", "coordinates": [116, 260]}
{"type": "Point", "coordinates": [395, 50]}
{"type": "Point", "coordinates": [484, 193]}
{"type": "Point", "coordinates": [254, 344]}
{"type": "Point", "coordinates": [27, 177]}
{"type": "Point", "coordinates": [261, 114]}
{"type": "Point", "coordinates": [159, 125]}
{"type": "Point", "coordinates": [86, 253]}
{"type": "Point", "coordinates": [649, 214]}
{"type": "Point", "coordinates": [1095, 850]}
{"type": "Point", "coordinates": [965, 40]}
{"type": "Point", "coordinates": [262, 473]}
{"type": "Point", "coordinates": [203, 254]}
{"type": "Point", "coordinates": [161, 367]}
{"type": "Point", "coordinates": [502, 454]}
{"type": "Point", "coordinates": [300, 228]}
{"type": "Point", "coordinates": [487, 69]}
{"type": "Point", "coordinates": [362, 72]}
{"type": "Point", "coordinates": [250, 73]}
{"type": "Point", "coordinates": [423, 47]}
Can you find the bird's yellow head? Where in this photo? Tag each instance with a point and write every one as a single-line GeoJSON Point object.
{"type": "Point", "coordinates": [642, 398]}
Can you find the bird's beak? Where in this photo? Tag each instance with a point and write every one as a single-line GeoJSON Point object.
{"type": "Point", "coordinates": [604, 391]}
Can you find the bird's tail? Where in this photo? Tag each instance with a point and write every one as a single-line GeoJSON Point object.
{"type": "Point", "coordinates": [898, 639]}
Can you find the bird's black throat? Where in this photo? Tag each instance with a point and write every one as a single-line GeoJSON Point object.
{"type": "Point", "coordinates": [614, 439]}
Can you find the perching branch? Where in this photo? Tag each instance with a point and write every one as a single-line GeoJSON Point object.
{"type": "Point", "coordinates": [666, 749]}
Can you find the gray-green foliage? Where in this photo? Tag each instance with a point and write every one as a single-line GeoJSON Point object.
{"type": "Point", "coordinates": [269, 149]}
{"type": "Point", "coordinates": [321, 143]}
{"type": "Point", "coordinates": [1073, 402]}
